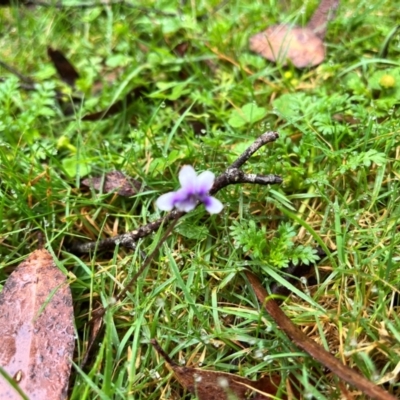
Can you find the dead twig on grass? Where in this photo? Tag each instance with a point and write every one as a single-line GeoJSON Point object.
{"type": "Point", "coordinates": [232, 175]}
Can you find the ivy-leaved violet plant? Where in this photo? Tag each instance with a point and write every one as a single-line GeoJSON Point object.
{"type": "Point", "coordinates": [194, 188]}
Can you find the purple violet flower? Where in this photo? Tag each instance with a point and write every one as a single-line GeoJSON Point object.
{"type": "Point", "coordinates": [194, 188]}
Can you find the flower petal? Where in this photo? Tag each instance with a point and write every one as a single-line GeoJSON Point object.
{"type": "Point", "coordinates": [213, 205]}
{"type": "Point", "coordinates": [204, 182]}
{"type": "Point", "coordinates": [166, 202]}
{"type": "Point", "coordinates": [186, 205]}
{"type": "Point", "coordinates": [181, 195]}
{"type": "Point", "coordinates": [187, 176]}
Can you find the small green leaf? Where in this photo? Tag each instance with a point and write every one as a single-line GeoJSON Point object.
{"type": "Point", "coordinates": [74, 167]}
{"type": "Point", "coordinates": [118, 60]}
{"type": "Point", "coordinates": [364, 159]}
{"type": "Point", "coordinates": [171, 91]}
{"type": "Point", "coordinates": [290, 105]}
{"type": "Point", "coordinates": [247, 115]}
{"type": "Point", "coordinates": [158, 165]}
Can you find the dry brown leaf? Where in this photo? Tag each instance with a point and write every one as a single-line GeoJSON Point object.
{"type": "Point", "coordinates": [279, 43]}
{"type": "Point", "coordinates": [36, 330]}
{"type": "Point", "coordinates": [64, 68]}
{"type": "Point", "coordinates": [114, 181]}
{"type": "Point", "coordinates": [303, 47]}
{"type": "Point", "coordinates": [214, 385]}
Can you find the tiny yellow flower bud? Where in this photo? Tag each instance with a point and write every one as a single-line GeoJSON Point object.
{"type": "Point", "coordinates": [288, 75]}
{"type": "Point", "coordinates": [387, 81]}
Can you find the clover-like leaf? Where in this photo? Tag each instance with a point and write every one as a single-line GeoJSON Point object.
{"type": "Point", "coordinates": [247, 115]}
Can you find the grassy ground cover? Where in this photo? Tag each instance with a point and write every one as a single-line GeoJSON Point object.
{"type": "Point", "coordinates": [200, 98]}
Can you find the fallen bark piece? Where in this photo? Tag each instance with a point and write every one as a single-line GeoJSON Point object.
{"type": "Point", "coordinates": [36, 330]}
{"type": "Point", "coordinates": [214, 385]}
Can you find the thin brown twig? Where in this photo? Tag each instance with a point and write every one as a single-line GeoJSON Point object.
{"type": "Point", "coordinates": [161, 351]}
{"type": "Point", "coordinates": [344, 372]}
{"type": "Point", "coordinates": [23, 78]}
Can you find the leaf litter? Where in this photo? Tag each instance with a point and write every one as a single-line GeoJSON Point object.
{"type": "Point", "coordinates": [65, 69]}
{"type": "Point", "coordinates": [37, 330]}
{"type": "Point", "coordinates": [114, 181]}
{"type": "Point", "coordinates": [303, 47]}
